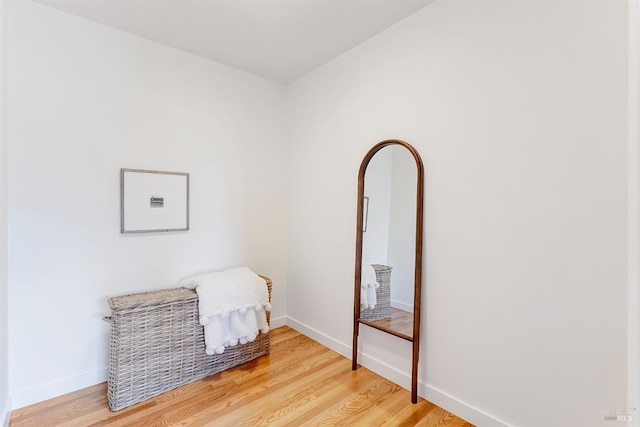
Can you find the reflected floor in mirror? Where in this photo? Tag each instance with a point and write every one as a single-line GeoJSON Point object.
{"type": "Point", "coordinates": [400, 321]}
{"type": "Point", "coordinates": [301, 383]}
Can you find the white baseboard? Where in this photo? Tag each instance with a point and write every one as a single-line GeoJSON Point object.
{"type": "Point", "coordinates": [278, 322]}
{"type": "Point", "coordinates": [318, 336]}
{"type": "Point", "coordinates": [58, 388]}
{"type": "Point", "coordinates": [455, 406]}
{"type": "Point", "coordinates": [5, 415]}
{"type": "Point", "coordinates": [463, 410]}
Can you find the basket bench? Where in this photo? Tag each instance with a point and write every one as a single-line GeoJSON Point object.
{"type": "Point", "coordinates": [157, 345]}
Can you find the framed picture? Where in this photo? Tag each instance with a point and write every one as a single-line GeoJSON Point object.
{"type": "Point", "coordinates": [153, 201]}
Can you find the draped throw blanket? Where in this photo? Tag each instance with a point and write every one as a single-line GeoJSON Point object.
{"type": "Point", "coordinates": [232, 306]}
{"type": "Point", "coordinates": [368, 283]}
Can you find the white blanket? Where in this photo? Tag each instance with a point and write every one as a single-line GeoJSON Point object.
{"type": "Point", "coordinates": [232, 305]}
{"type": "Point", "coordinates": [368, 284]}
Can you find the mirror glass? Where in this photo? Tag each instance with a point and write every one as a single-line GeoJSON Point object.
{"type": "Point", "coordinates": [388, 238]}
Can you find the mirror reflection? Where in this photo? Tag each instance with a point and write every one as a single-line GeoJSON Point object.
{"type": "Point", "coordinates": [388, 240]}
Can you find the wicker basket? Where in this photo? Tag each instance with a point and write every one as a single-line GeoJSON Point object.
{"type": "Point", "coordinates": [382, 309]}
{"type": "Point", "coordinates": [157, 344]}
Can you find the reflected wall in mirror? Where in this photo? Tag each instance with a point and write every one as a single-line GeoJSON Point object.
{"type": "Point", "coordinates": [388, 273]}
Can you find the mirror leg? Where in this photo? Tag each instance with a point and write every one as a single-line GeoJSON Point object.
{"type": "Point", "coordinates": [414, 373]}
{"type": "Point", "coordinates": [354, 356]}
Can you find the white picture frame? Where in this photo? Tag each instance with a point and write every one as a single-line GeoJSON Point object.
{"type": "Point", "coordinates": [153, 201]}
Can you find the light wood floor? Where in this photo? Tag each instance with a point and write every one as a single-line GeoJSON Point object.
{"type": "Point", "coordinates": [301, 383]}
{"type": "Point", "coordinates": [400, 321]}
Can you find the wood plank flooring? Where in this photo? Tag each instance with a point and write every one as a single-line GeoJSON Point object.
{"type": "Point", "coordinates": [400, 321]}
{"type": "Point", "coordinates": [301, 383]}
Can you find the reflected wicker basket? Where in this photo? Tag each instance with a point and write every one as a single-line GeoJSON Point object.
{"type": "Point", "coordinates": [157, 345]}
{"type": "Point", "coordinates": [382, 309]}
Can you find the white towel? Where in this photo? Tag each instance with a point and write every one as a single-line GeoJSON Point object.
{"type": "Point", "coordinates": [368, 284]}
{"type": "Point", "coordinates": [232, 305]}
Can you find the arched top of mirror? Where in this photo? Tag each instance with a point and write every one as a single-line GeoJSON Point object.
{"type": "Point", "coordinates": [379, 146]}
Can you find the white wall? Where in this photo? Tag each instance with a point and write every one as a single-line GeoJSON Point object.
{"type": "Point", "coordinates": [377, 187]}
{"type": "Point", "coordinates": [85, 101]}
{"type": "Point", "coordinates": [519, 112]}
{"type": "Point", "coordinates": [4, 329]}
{"type": "Point", "coordinates": [633, 217]}
{"type": "Point", "coordinates": [402, 228]}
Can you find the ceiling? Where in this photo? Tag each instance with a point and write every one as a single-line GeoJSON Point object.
{"type": "Point", "coordinates": [281, 40]}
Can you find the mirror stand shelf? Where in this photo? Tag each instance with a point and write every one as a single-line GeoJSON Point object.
{"type": "Point", "coordinates": [389, 231]}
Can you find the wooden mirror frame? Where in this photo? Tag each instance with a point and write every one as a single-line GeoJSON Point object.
{"type": "Point", "coordinates": [415, 338]}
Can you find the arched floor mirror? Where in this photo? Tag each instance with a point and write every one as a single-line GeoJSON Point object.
{"type": "Point", "coordinates": [388, 270]}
